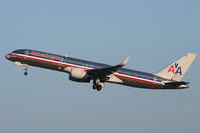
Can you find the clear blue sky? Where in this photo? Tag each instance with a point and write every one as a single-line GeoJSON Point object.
{"type": "Point", "coordinates": [153, 33]}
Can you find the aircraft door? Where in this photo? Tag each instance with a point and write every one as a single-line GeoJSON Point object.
{"type": "Point", "coordinates": [155, 78]}
{"type": "Point", "coordinates": [26, 52]}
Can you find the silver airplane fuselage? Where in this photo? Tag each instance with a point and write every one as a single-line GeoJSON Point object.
{"type": "Point", "coordinates": [25, 57]}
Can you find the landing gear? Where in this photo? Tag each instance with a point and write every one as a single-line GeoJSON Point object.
{"type": "Point", "coordinates": [97, 85]}
{"type": "Point", "coordinates": [24, 65]}
{"type": "Point", "coordinates": [26, 69]}
{"type": "Point", "coordinates": [25, 73]}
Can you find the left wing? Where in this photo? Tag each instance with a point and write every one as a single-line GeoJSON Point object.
{"type": "Point", "coordinates": [102, 73]}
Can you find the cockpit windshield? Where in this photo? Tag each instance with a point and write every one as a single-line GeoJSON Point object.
{"type": "Point", "coordinates": [19, 51]}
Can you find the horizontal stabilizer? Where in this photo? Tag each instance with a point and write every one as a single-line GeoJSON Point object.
{"type": "Point", "coordinates": [177, 83]}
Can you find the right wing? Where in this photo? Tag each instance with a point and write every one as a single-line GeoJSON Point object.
{"type": "Point", "coordinates": [102, 73]}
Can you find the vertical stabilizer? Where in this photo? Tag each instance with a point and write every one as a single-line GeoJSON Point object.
{"type": "Point", "coordinates": [177, 69]}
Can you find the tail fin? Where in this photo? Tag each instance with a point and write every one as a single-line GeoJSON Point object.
{"type": "Point", "coordinates": [177, 69]}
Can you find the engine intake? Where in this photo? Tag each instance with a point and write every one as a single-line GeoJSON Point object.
{"type": "Point", "coordinates": [78, 75]}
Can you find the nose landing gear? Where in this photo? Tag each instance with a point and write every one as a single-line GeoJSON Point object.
{"type": "Point", "coordinates": [25, 73]}
{"type": "Point", "coordinates": [26, 69]}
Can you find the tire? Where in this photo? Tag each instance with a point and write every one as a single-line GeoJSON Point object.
{"type": "Point", "coordinates": [94, 86]}
{"type": "Point", "coordinates": [99, 87]}
{"type": "Point", "coordinates": [25, 73]}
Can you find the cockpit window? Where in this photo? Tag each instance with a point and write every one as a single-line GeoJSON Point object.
{"type": "Point", "coordinates": [20, 51]}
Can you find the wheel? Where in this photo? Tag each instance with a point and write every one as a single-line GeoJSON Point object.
{"type": "Point", "coordinates": [25, 73]}
{"type": "Point", "coordinates": [94, 86]}
{"type": "Point", "coordinates": [99, 87]}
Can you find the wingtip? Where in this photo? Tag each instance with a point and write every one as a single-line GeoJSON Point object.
{"type": "Point", "coordinates": [125, 61]}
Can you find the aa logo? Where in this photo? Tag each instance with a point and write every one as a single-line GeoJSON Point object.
{"type": "Point", "coordinates": [175, 69]}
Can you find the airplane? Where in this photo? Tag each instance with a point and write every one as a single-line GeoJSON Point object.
{"type": "Point", "coordinates": [86, 71]}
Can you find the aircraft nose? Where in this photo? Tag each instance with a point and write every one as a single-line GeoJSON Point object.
{"type": "Point", "coordinates": [7, 56]}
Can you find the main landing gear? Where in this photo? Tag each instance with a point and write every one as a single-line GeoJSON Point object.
{"type": "Point", "coordinates": [98, 87]}
{"type": "Point", "coordinates": [97, 84]}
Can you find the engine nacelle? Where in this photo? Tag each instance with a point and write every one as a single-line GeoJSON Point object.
{"type": "Point", "coordinates": [78, 75]}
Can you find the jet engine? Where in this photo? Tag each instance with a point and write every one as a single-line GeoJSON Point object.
{"type": "Point", "coordinates": [78, 75]}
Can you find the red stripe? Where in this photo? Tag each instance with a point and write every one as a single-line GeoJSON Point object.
{"type": "Point", "coordinates": [135, 79]}
{"type": "Point", "coordinates": [42, 60]}
{"type": "Point", "coordinates": [53, 62]}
